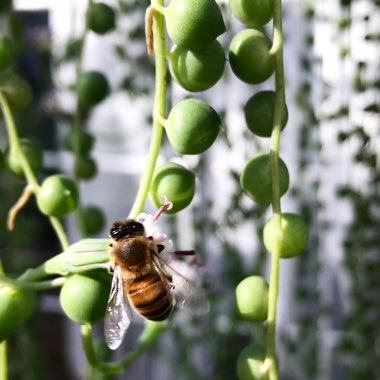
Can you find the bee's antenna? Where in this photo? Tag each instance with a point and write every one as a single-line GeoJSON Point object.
{"type": "Point", "coordinates": [167, 205]}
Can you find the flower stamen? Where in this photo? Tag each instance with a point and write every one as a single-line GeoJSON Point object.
{"type": "Point", "coordinates": [167, 205]}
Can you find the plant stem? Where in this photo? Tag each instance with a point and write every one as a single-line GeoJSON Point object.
{"type": "Point", "coordinates": [38, 285]}
{"type": "Point", "coordinates": [28, 172]}
{"type": "Point", "coordinates": [14, 143]}
{"type": "Point", "coordinates": [3, 361]}
{"type": "Point", "coordinates": [60, 232]}
{"type": "Point", "coordinates": [159, 45]}
{"type": "Point", "coordinates": [147, 337]}
{"type": "Point", "coordinates": [3, 348]}
{"type": "Point", "coordinates": [277, 50]}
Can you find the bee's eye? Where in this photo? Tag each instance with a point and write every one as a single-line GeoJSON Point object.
{"type": "Point", "coordinates": [117, 231]}
{"type": "Point", "coordinates": [135, 227]}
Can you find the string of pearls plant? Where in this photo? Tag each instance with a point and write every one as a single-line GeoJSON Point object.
{"type": "Point", "coordinates": [196, 61]}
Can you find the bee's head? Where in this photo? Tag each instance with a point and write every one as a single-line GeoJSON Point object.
{"type": "Point", "coordinates": [126, 229]}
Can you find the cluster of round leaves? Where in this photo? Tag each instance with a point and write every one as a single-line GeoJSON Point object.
{"type": "Point", "coordinates": [83, 298]}
{"type": "Point", "coordinates": [252, 61]}
{"type": "Point", "coordinates": [252, 304]}
{"type": "Point", "coordinates": [196, 62]}
{"type": "Point", "coordinates": [58, 195]}
{"type": "Point", "coordinates": [91, 88]}
{"type": "Point", "coordinates": [249, 52]}
{"type": "Point", "coordinates": [252, 293]}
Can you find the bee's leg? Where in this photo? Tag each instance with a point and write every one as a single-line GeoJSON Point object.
{"type": "Point", "coordinates": [170, 285]}
{"type": "Point", "coordinates": [160, 247]}
{"type": "Point", "coordinates": [111, 268]}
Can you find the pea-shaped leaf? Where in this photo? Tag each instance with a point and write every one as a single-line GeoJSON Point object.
{"type": "Point", "coordinates": [250, 58]}
{"type": "Point", "coordinates": [192, 126]}
{"type": "Point", "coordinates": [175, 182]}
{"type": "Point", "coordinates": [194, 23]}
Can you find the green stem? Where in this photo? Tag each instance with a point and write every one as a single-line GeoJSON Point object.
{"type": "Point", "coordinates": [3, 348]}
{"type": "Point", "coordinates": [60, 232]}
{"type": "Point", "coordinates": [151, 331]}
{"type": "Point", "coordinates": [159, 45]}
{"type": "Point", "coordinates": [14, 143]}
{"type": "Point", "coordinates": [157, 5]}
{"type": "Point", "coordinates": [277, 50]}
{"type": "Point", "coordinates": [3, 361]}
{"type": "Point", "coordinates": [38, 285]}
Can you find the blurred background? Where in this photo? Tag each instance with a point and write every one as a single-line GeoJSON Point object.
{"type": "Point", "coordinates": [329, 301]}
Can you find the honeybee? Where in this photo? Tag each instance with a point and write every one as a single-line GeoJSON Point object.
{"type": "Point", "coordinates": [141, 278]}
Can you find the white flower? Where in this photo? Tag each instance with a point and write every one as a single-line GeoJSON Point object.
{"type": "Point", "coordinates": [152, 229]}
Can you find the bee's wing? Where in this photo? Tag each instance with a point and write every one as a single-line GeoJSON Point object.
{"type": "Point", "coordinates": [118, 314]}
{"type": "Point", "coordinates": [187, 294]}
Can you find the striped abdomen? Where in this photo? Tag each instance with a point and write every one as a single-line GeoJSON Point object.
{"type": "Point", "coordinates": [150, 297]}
